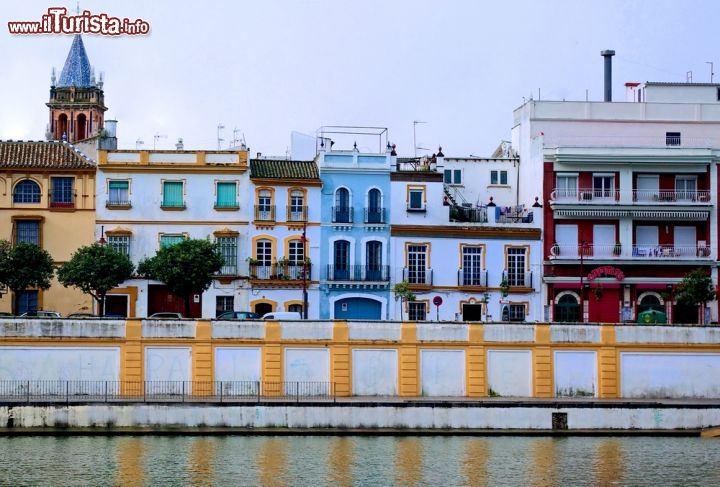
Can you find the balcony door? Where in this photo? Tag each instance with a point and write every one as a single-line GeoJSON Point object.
{"type": "Point", "coordinates": [566, 236]}
{"type": "Point", "coordinates": [603, 240]}
{"type": "Point", "coordinates": [685, 241]}
{"type": "Point", "coordinates": [648, 188]}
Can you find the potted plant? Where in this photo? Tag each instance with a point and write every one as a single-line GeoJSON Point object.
{"type": "Point", "coordinates": [598, 292]}
{"type": "Point", "coordinates": [555, 249]}
{"type": "Point", "coordinates": [617, 249]}
{"type": "Point", "coordinates": [504, 287]}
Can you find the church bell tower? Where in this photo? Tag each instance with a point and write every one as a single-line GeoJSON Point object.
{"type": "Point", "coordinates": [77, 103]}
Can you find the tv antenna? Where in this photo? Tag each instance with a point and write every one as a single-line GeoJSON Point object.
{"type": "Point", "coordinates": [415, 147]}
{"type": "Point", "coordinates": [219, 139]}
{"type": "Point", "coordinates": [157, 137]}
{"type": "Point", "coordinates": [711, 70]}
{"type": "Point", "coordinates": [139, 142]}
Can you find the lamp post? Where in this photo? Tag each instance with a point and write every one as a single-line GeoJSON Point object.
{"type": "Point", "coordinates": [582, 279]}
{"type": "Point", "coordinates": [102, 240]}
{"type": "Point", "coordinates": [305, 268]}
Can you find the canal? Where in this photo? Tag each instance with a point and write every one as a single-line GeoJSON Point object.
{"type": "Point", "coordinates": [358, 461]}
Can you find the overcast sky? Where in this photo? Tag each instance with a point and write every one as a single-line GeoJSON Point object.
{"type": "Point", "coordinates": [268, 67]}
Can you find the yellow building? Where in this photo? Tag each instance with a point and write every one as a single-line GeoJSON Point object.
{"type": "Point", "coordinates": [47, 197]}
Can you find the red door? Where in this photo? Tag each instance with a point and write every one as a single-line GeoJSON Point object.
{"type": "Point", "coordinates": [604, 305]}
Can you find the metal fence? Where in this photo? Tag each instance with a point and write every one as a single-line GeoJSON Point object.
{"type": "Point", "coordinates": [73, 391]}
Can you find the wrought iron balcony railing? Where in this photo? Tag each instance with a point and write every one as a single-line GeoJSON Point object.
{"type": "Point", "coordinates": [361, 273]}
{"type": "Point", "coordinates": [473, 276]}
{"type": "Point", "coordinates": [422, 276]}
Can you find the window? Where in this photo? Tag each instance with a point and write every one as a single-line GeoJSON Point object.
{"type": "Point", "coordinates": [27, 231]}
{"type": "Point", "coordinates": [374, 210]}
{"type": "Point", "coordinates": [567, 186]}
{"type": "Point", "coordinates": [297, 206]}
{"type": "Point", "coordinates": [498, 177]}
{"type": "Point", "coordinates": [416, 199]}
{"type": "Point", "coordinates": [516, 266]}
{"type": "Point", "coordinates": [166, 240]}
{"type": "Point", "coordinates": [373, 258]}
{"type": "Point", "coordinates": [417, 260]}
{"type": "Point", "coordinates": [224, 304]}
{"type": "Point", "coordinates": [686, 187]}
{"type": "Point", "coordinates": [452, 176]}
{"type": "Point", "coordinates": [567, 309]}
{"type": "Point", "coordinates": [296, 252]}
{"type": "Point", "coordinates": [341, 260]}
{"type": "Point", "coordinates": [261, 266]}
{"type": "Point", "coordinates": [227, 247]}
{"type": "Point", "coordinates": [297, 308]}
{"type": "Point", "coordinates": [118, 193]}
{"type": "Point", "coordinates": [226, 193]}
{"type": "Point", "coordinates": [342, 212]}
{"type": "Point", "coordinates": [672, 138]}
{"type": "Point", "coordinates": [173, 194]}
{"type": "Point", "coordinates": [417, 311]}
{"type": "Point", "coordinates": [27, 301]}
{"type": "Point", "coordinates": [62, 192]}
{"type": "Point", "coordinates": [120, 243]}
{"type": "Point", "coordinates": [265, 210]}
{"type": "Point", "coordinates": [472, 266]}
{"type": "Point", "coordinates": [603, 186]}
{"type": "Point", "coordinates": [516, 312]}
{"type": "Point", "coordinates": [26, 191]}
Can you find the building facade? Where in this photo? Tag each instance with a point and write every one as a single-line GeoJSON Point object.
{"type": "Point", "coordinates": [629, 194]}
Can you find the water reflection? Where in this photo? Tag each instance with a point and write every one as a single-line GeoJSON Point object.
{"type": "Point", "coordinates": [357, 461]}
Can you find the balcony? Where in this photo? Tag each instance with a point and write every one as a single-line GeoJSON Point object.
{"type": "Point", "coordinates": [469, 213]}
{"type": "Point", "coordinates": [472, 277]}
{"type": "Point", "coordinates": [62, 201]}
{"type": "Point", "coordinates": [264, 213]}
{"type": "Point", "coordinates": [342, 214]}
{"type": "Point", "coordinates": [297, 214]}
{"type": "Point", "coordinates": [418, 276]}
{"type": "Point", "coordinates": [281, 272]}
{"type": "Point", "coordinates": [118, 204]}
{"type": "Point", "coordinates": [590, 196]}
{"type": "Point", "coordinates": [358, 273]}
{"type": "Point", "coordinates": [663, 252]}
{"type": "Point", "coordinates": [375, 215]}
{"type": "Point", "coordinates": [518, 279]}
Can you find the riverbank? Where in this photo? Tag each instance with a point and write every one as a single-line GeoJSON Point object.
{"type": "Point", "coordinates": [361, 416]}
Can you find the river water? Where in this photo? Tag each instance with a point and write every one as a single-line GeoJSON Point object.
{"type": "Point", "coordinates": [358, 461]}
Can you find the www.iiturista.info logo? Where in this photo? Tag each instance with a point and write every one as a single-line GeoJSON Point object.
{"type": "Point", "coordinates": [58, 22]}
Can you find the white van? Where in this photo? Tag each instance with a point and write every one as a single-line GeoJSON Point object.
{"type": "Point", "coordinates": [282, 315]}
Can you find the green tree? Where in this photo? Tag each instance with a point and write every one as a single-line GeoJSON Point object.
{"type": "Point", "coordinates": [695, 289]}
{"type": "Point", "coordinates": [24, 266]}
{"type": "Point", "coordinates": [402, 291]}
{"type": "Point", "coordinates": [187, 267]}
{"type": "Point", "coordinates": [96, 269]}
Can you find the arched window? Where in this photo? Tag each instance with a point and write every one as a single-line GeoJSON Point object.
{"type": "Point", "coordinates": [373, 261]}
{"type": "Point", "coordinates": [26, 191]}
{"type": "Point", "coordinates": [341, 211]}
{"type": "Point", "coordinates": [374, 209]}
{"type": "Point", "coordinates": [648, 302]}
{"type": "Point", "coordinates": [341, 261]}
{"type": "Point", "coordinates": [567, 308]}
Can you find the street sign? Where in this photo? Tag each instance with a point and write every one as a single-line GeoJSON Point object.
{"type": "Point", "coordinates": [437, 300]}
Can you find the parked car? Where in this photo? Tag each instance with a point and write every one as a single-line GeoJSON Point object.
{"type": "Point", "coordinates": [41, 313]}
{"type": "Point", "coordinates": [80, 316]}
{"type": "Point", "coordinates": [165, 315]}
{"type": "Point", "coordinates": [238, 315]}
{"type": "Point", "coordinates": [282, 315]}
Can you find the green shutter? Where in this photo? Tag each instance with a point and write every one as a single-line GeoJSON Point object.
{"type": "Point", "coordinates": [226, 195]}
{"type": "Point", "coordinates": [173, 193]}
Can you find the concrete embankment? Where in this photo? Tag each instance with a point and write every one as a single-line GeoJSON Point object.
{"type": "Point", "coordinates": [568, 417]}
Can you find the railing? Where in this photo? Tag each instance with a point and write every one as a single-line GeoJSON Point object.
{"type": "Point", "coordinates": [518, 279]}
{"type": "Point", "coordinates": [265, 213]}
{"type": "Point", "coordinates": [472, 277]}
{"type": "Point", "coordinates": [358, 273]}
{"type": "Point", "coordinates": [418, 275]}
{"type": "Point", "coordinates": [78, 391]}
{"type": "Point", "coordinates": [62, 200]}
{"type": "Point", "coordinates": [473, 214]}
{"type": "Point", "coordinates": [342, 214]}
{"type": "Point", "coordinates": [296, 213]}
{"type": "Point", "coordinates": [616, 251]}
{"type": "Point", "coordinates": [592, 196]}
{"type": "Point", "coordinates": [118, 203]}
{"type": "Point", "coordinates": [283, 271]}
{"type": "Point", "coordinates": [374, 215]}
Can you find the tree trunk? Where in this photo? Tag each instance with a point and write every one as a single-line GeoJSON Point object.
{"type": "Point", "coordinates": [101, 305]}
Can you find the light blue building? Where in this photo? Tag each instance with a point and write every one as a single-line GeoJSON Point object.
{"type": "Point", "coordinates": [355, 231]}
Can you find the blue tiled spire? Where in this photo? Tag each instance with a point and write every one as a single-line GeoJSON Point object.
{"type": "Point", "coordinates": [76, 71]}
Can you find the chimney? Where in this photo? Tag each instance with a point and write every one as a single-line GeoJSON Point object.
{"type": "Point", "coordinates": [608, 73]}
{"type": "Point", "coordinates": [179, 145]}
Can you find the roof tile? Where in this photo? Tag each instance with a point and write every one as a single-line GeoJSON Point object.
{"type": "Point", "coordinates": [42, 155]}
{"type": "Point", "coordinates": [283, 169]}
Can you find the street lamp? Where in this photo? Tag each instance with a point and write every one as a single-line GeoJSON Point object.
{"type": "Point", "coordinates": [305, 268]}
{"type": "Point", "coordinates": [583, 245]}
{"type": "Point", "coordinates": [102, 240]}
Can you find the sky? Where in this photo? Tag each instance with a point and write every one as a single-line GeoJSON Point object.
{"type": "Point", "coordinates": [266, 68]}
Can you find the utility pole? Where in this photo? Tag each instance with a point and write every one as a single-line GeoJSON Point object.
{"type": "Point", "coordinates": [305, 267]}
